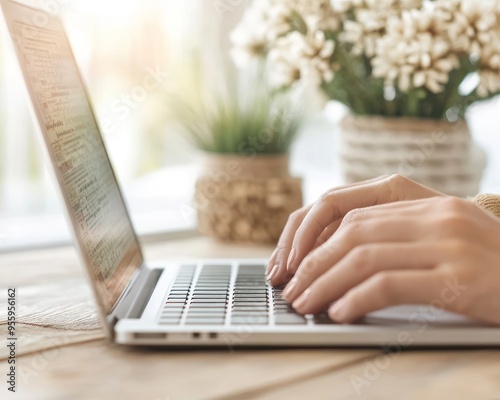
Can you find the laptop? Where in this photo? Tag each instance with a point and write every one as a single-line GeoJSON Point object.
{"type": "Point", "coordinates": [223, 302]}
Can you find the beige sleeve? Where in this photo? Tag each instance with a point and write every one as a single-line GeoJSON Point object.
{"type": "Point", "coordinates": [490, 202]}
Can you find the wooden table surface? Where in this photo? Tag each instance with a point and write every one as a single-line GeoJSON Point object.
{"type": "Point", "coordinates": [99, 370]}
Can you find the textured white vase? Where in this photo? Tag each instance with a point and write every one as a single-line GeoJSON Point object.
{"type": "Point", "coordinates": [438, 154]}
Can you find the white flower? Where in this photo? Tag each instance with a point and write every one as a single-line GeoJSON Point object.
{"type": "Point", "coordinates": [370, 21]}
{"type": "Point", "coordinates": [410, 43]}
{"type": "Point", "coordinates": [489, 71]}
{"type": "Point", "coordinates": [266, 21]}
{"type": "Point", "coordinates": [304, 58]}
{"type": "Point", "coordinates": [474, 31]}
{"type": "Point", "coordinates": [471, 24]}
{"type": "Point", "coordinates": [248, 44]}
{"type": "Point", "coordinates": [413, 55]}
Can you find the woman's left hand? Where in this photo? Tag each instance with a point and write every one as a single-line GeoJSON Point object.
{"type": "Point", "coordinates": [442, 251]}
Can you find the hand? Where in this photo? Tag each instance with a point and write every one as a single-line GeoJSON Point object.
{"type": "Point", "coordinates": [441, 251]}
{"type": "Point", "coordinates": [311, 226]}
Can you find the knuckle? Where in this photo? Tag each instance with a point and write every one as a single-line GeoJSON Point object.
{"type": "Point", "coordinates": [326, 196]}
{"type": "Point", "coordinates": [353, 215]}
{"type": "Point", "coordinates": [461, 248]}
{"type": "Point", "coordinates": [383, 284]}
{"type": "Point", "coordinates": [297, 215]}
{"type": "Point", "coordinates": [397, 185]}
{"type": "Point", "coordinates": [310, 227]}
{"type": "Point", "coordinates": [350, 230]}
{"type": "Point", "coordinates": [322, 255]}
{"type": "Point", "coordinates": [396, 180]}
{"type": "Point", "coordinates": [453, 221]}
{"type": "Point", "coordinates": [309, 265]}
{"type": "Point", "coordinates": [280, 255]}
{"type": "Point", "coordinates": [323, 200]}
{"type": "Point", "coordinates": [454, 204]}
{"type": "Point", "coordinates": [281, 248]}
{"type": "Point", "coordinates": [327, 200]}
{"type": "Point", "coordinates": [362, 257]}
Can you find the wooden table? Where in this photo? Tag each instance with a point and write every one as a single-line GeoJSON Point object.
{"type": "Point", "coordinates": [98, 370]}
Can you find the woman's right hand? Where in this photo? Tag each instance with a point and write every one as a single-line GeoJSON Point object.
{"type": "Point", "coordinates": [311, 226]}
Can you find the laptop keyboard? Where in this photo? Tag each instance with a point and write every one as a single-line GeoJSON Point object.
{"type": "Point", "coordinates": [228, 295]}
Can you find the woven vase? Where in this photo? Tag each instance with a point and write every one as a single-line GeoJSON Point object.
{"type": "Point", "coordinates": [438, 154]}
{"type": "Point", "coordinates": [246, 198]}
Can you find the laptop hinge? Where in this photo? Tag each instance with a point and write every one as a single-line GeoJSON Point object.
{"type": "Point", "coordinates": [137, 295]}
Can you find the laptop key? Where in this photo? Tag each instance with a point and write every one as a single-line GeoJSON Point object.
{"type": "Point", "coordinates": [250, 296]}
{"type": "Point", "coordinates": [207, 310]}
{"type": "Point", "coordinates": [205, 321]}
{"type": "Point", "coordinates": [249, 291]}
{"type": "Point", "coordinates": [219, 301]}
{"type": "Point", "coordinates": [249, 320]}
{"type": "Point", "coordinates": [169, 321]}
{"type": "Point", "coordinates": [208, 316]}
{"type": "Point", "coordinates": [208, 305]}
{"type": "Point", "coordinates": [172, 311]}
{"type": "Point", "coordinates": [240, 314]}
{"type": "Point", "coordinates": [211, 288]}
{"type": "Point", "coordinates": [248, 309]}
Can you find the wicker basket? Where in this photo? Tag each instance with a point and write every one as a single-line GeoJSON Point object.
{"type": "Point", "coordinates": [438, 154]}
{"type": "Point", "coordinates": [246, 199]}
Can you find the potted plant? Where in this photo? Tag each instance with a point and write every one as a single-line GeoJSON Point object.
{"type": "Point", "coordinates": [407, 70]}
{"type": "Point", "coordinates": [245, 192]}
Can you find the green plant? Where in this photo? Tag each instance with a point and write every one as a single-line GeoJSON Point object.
{"type": "Point", "coordinates": [257, 120]}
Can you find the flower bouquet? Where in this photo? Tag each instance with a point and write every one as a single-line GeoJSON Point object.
{"type": "Point", "coordinates": [411, 61]}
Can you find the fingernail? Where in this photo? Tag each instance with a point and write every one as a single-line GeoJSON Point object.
{"type": "Point", "coordinates": [291, 257]}
{"type": "Point", "coordinates": [273, 272]}
{"type": "Point", "coordinates": [302, 300]}
{"type": "Point", "coordinates": [335, 309]}
{"type": "Point", "coordinates": [270, 266]}
{"type": "Point", "coordinates": [290, 290]}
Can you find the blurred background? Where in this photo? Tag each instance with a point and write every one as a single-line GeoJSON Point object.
{"type": "Point", "coordinates": [118, 45]}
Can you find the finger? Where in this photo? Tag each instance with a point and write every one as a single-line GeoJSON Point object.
{"type": "Point", "coordinates": [337, 203]}
{"type": "Point", "coordinates": [361, 264]}
{"type": "Point", "coordinates": [387, 289]}
{"type": "Point", "coordinates": [327, 233]}
{"type": "Point", "coordinates": [272, 261]}
{"type": "Point", "coordinates": [278, 273]}
{"type": "Point", "coordinates": [373, 230]}
{"type": "Point", "coordinates": [359, 214]}
{"type": "Point", "coordinates": [325, 255]}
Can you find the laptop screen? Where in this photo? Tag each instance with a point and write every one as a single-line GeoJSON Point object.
{"type": "Point", "coordinates": [93, 200]}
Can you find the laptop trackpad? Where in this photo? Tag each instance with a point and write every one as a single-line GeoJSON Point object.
{"type": "Point", "coordinates": [419, 316]}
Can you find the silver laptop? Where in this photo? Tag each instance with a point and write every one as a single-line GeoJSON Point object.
{"type": "Point", "coordinates": [198, 302]}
